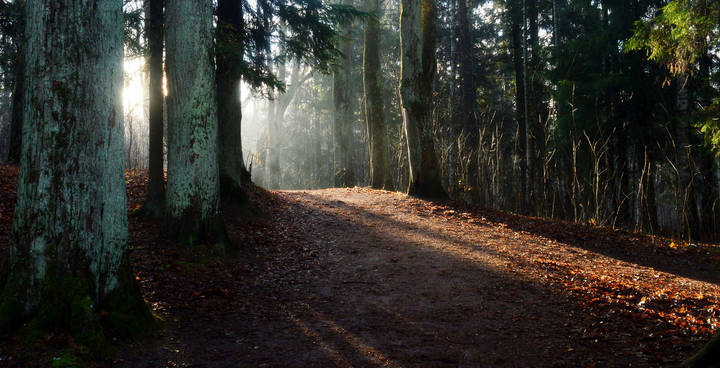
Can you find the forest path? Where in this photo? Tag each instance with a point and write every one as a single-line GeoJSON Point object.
{"type": "Point", "coordinates": [362, 278]}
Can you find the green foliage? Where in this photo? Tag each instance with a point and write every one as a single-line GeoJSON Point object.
{"type": "Point", "coordinates": [12, 28]}
{"type": "Point", "coordinates": [133, 20]}
{"type": "Point", "coordinates": [678, 35]}
{"type": "Point", "coordinates": [303, 30]}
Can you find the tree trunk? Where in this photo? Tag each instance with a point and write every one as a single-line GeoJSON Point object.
{"type": "Point", "coordinates": [230, 49]}
{"type": "Point", "coordinates": [193, 175]}
{"type": "Point", "coordinates": [343, 114]}
{"type": "Point", "coordinates": [517, 34]}
{"type": "Point", "coordinates": [155, 199]}
{"type": "Point", "coordinates": [418, 30]}
{"type": "Point", "coordinates": [68, 261]}
{"type": "Point", "coordinates": [374, 109]}
{"type": "Point", "coordinates": [272, 157]}
{"type": "Point", "coordinates": [466, 112]}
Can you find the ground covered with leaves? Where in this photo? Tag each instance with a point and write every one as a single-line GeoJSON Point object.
{"type": "Point", "coordinates": [358, 277]}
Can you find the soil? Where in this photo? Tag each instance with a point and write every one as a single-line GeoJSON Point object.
{"type": "Point", "coordinates": [366, 278]}
{"type": "Point", "coordinates": [361, 278]}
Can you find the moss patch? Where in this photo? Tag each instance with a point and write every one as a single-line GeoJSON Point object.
{"type": "Point", "coordinates": [708, 356]}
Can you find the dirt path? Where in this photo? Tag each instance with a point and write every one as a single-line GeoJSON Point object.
{"type": "Point", "coordinates": [352, 277]}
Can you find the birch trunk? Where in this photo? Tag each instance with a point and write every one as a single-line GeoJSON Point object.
{"type": "Point", "coordinates": [417, 32]}
{"type": "Point", "coordinates": [193, 187]}
{"type": "Point", "coordinates": [68, 260]}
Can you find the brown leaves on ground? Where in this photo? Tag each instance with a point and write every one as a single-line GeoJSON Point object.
{"type": "Point", "coordinates": [357, 277]}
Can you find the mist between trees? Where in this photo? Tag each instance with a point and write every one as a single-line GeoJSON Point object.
{"type": "Point", "coordinates": [547, 108]}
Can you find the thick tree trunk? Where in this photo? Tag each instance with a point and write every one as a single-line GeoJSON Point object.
{"type": "Point", "coordinates": [193, 175]}
{"type": "Point", "coordinates": [418, 31]}
{"type": "Point", "coordinates": [155, 200]}
{"type": "Point", "coordinates": [230, 49]}
{"type": "Point", "coordinates": [68, 260]}
{"type": "Point", "coordinates": [374, 109]}
{"type": "Point", "coordinates": [343, 119]}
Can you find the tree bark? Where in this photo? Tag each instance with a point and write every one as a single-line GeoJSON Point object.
{"type": "Point", "coordinates": [466, 112]}
{"type": "Point", "coordinates": [155, 199]}
{"type": "Point", "coordinates": [193, 198]}
{"type": "Point", "coordinates": [68, 261]}
{"type": "Point", "coordinates": [517, 34]}
{"type": "Point", "coordinates": [374, 109]}
{"type": "Point", "coordinates": [344, 176]}
{"type": "Point", "coordinates": [230, 50]}
{"type": "Point", "coordinates": [418, 32]}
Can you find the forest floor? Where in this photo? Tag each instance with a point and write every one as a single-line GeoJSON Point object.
{"type": "Point", "coordinates": [363, 278]}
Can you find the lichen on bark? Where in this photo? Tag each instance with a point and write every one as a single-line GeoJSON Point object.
{"type": "Point", "coordinates": [69, 241]}
{"type": "Point", "coordinates": [193, 200]}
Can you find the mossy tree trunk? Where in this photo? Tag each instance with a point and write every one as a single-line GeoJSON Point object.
{"type": "Point", "coordinates": [374, 109]}
{"type": "Point", "coordinates": [155, 199]}
{"type": "Point", "coordinates": [68, 259]}
{"type": "Point", "coordinates": [193, 201]}
{"type": "Point", "coordinates": [418, 32]}
{"type": "Point", "coordinates": [230, 49]}
{"type": "Point", "coordinates": [342, 113]}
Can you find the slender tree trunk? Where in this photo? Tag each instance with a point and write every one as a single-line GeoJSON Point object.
{"type": "Point", "coordinates": [517, 34]}
{"type": "Point", "coordinates": [68, 261]}
{"type": "Point", "coordinates": [418, 31]}
{"type": "Point", "coordinates": [467, 98]}
{"type": "Point", "coordinates": [684, 157]}
{"type": "Point", "coordinates": [155, 200]}
{"type": "Point", "coordinates": [272, 157]}
{"type": "Point", "coordinates": [455, 123]}
{"type": "Point", "coordinates": [374, 109]}
{"type": "Point", "coordinates": [528, 193]}
{"type": "Point", "coordinates": [193, 175]}
{"type": "Point", "coordinates": [342, 112]}
{"type": "Point", "coordinates": [230, 49]}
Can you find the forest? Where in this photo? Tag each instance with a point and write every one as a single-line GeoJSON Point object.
{"type": "Point", "coordinates": [301, 183]}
